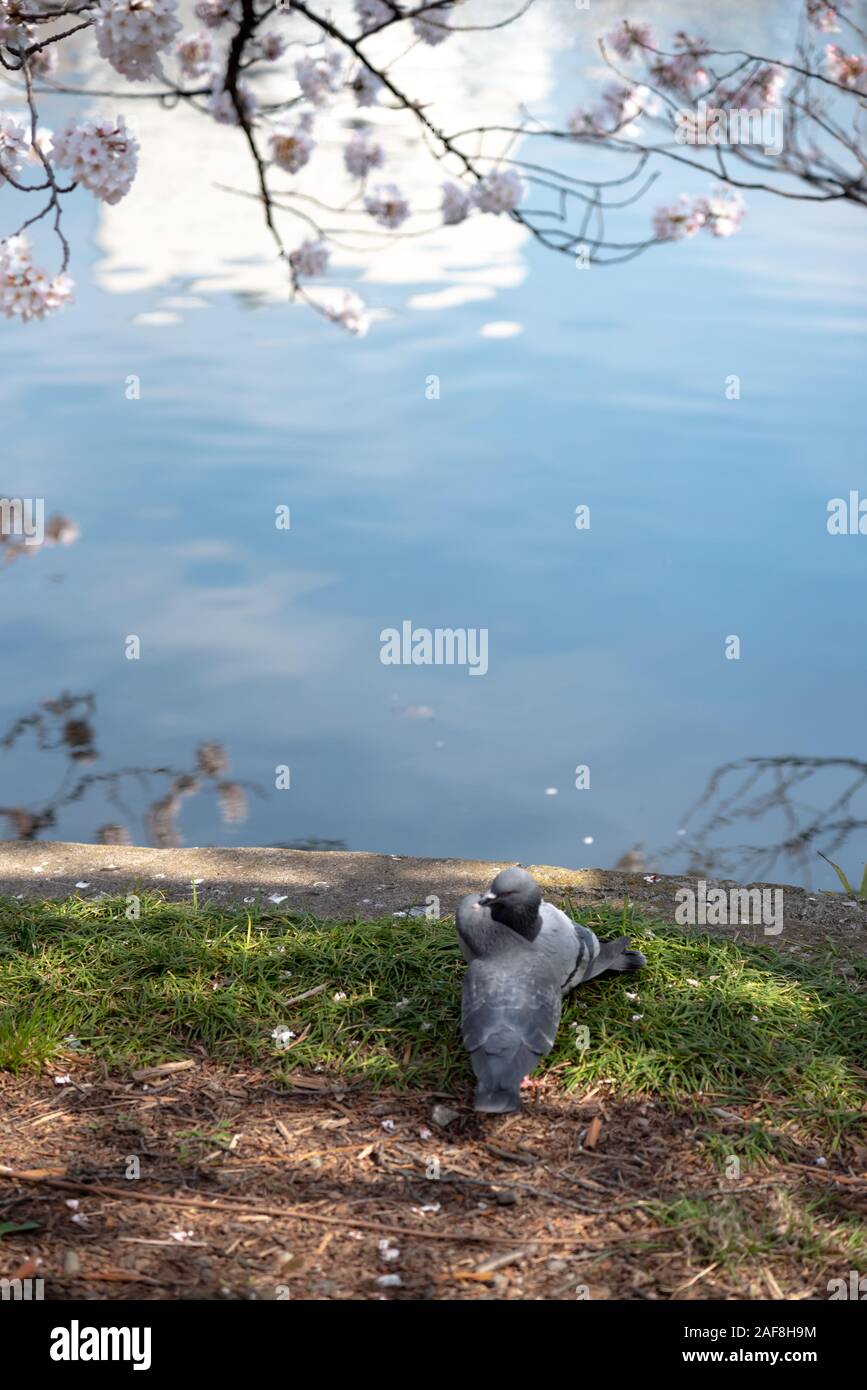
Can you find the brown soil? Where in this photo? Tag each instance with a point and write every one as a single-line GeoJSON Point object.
{"type": "Point", "coordinates": [288, 1194]}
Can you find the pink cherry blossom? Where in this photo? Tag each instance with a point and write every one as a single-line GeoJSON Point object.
{"type": "Point", "coordinates": [372, 13]}
{"type": "Point", "coordinates": [622, 103]}
{"type": "Point", "coordinates": [431, 26]}
{"type": "Point", "coordinates": [675, 223]}
{"type": "Point", "coordinates": [320, 74]}
{"type": "Point", "coordinates": [625, 37]}
{"type": "Point", "coordinates": [366, 87]}
{"type": "Point", "coordinates": [387, 205]}
{"type": "Point", "coordinates": [499, 191]}
{"type": "Point", "coordinates": [824, 16]}
{"type": "Point", "coordinates": [456, 203]}
{"type": "Point", "coordinates": [849, 69]}
{"type": "Point", "coordinates": [762, 88]}
{"type": "Point", "coordinates": [195, 53]}
{"type": "Point", "coordinates": [723, 212]}
{"type": "Point", "coordinates": [216, 13]}
{"type": "Point", "coordinates": [363, 154]}
{"type": "Point", "coordinates": [310, 258]}
{"type": "Point", "coordinates": [26, 292]}
{"type": "Point", "coordinates": [349, 311]}
{"type": "Point", "coordinates": [102, 155]}
{"type": "Point", "coordinates": [222, 106]}
{"type": "Point", "coordinates": [272, 47]}
{"type": "Point", "coordinates": [583, 121]}
{"type": "Point", "coordinates": [14, 145]}
{"type": "Point", "coordinates": [291, 148]}
{"type": "Point", "coordinates": [685, 72]}
{"type": "Point", "coordinates": [131, 34]}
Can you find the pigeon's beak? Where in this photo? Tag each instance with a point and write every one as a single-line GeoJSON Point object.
{"type": "Point", "coordinates": [487, 898]}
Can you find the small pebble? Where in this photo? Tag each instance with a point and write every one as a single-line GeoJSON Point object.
{"type": "Point", "coordinates": [443, 1115]}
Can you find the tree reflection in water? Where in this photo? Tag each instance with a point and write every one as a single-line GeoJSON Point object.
{"type": "Point", "coordinates": [66, 724]}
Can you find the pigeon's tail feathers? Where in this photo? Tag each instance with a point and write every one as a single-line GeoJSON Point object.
{"type": "Point", "coordinates": [500, 1067]}
{"type": "Point", "coordinates": [616, 955]}
{"type": "Point", "coordinates": [488, 1102]}
{"type": "Point", "coordinates": [634, 960]}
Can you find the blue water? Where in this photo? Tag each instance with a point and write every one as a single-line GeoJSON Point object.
{"type": "Point", "coordinates": [606, 646]}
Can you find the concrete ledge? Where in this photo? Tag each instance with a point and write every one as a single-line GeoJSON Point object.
{"type": "Point", "coordinates": [342, 884]}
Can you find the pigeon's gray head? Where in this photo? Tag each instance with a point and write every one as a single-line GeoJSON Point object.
{"type": "Point", "coordinates": [514, 899]}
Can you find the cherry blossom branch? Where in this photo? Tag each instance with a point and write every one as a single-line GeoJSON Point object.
{"type": "Point", "coordinates": [54, 201]}
{"type": "Point", "coordinates": [570, 211]}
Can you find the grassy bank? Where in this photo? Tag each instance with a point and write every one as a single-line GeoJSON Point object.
{"type": "Point", "coordinates": [714, 1023]}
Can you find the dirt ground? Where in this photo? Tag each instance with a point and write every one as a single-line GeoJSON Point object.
{"type": "Point", "coordinates": [245, 1191]}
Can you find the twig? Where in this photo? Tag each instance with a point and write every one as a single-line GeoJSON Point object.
{"type": "Point", "coordinates": [308, 994]}
{"type": "Point", "coordinates": [349, 1223]}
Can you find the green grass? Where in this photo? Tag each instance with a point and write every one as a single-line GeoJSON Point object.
{"type": "Point", "coordinates": [757, 1026]}
{"type": "Point", "coordinates": [732, 1232]}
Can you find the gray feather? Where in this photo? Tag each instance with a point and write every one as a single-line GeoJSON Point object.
{"type": "Point", "coordinates": [510, 1015]}
{"type": "Point", "coordinates": [572, 948]}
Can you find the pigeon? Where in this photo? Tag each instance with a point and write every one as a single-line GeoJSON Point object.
{"type": "Point", "coordinates": [523, 956]}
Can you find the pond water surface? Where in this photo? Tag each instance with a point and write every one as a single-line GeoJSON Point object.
{"type": "Point", "coordinates": [605, 646]}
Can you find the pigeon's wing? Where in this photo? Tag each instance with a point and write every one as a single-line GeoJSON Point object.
{"type": "Point", "coordinates": [511, 1009]}
{"type": "Point", "coordinates": [571, 947]}
{"type": "Point", "coordinates": [474, 926]}
{"type": "Point", "coordinates": [522, 1001]}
